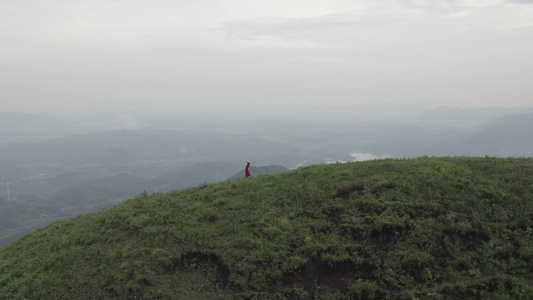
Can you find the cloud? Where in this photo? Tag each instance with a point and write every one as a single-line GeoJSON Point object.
{"type": "Point", "coordinates": [448, 6]}
{"type": "Point", "coordinates": [307, 33]}
{"type": "Point", "coordinates": [520, 1]}
{"type": "Point", "coordinates": [326, 31]}
{"type": "Point", "coordinates": [253, 29]}
{"type": "Point", "coordinates": [442, 6]}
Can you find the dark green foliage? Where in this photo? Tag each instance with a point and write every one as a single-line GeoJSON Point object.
{"type": "Point", "coordinates": [428, 228]}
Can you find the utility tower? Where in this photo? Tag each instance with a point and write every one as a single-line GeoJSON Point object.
{"type": "Point", "coordinates": [7, 186]}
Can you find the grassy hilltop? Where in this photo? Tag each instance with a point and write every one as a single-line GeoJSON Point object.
{"type": "Point", "coordinates": [429, 228]}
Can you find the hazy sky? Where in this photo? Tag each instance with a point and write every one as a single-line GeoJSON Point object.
{"type": "Point", "coordinates": [233, 55]}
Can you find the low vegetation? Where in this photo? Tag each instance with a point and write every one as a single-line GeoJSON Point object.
{"type": "Point", "coordinates": [428, 228]}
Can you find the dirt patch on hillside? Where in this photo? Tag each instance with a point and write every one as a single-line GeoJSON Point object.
{"type": "Point", "coordinates": [388, 237]}
{"type": "Point", "coordinates": [347, 193]}
{"type": "Point", "coordinates": [471, 241]}
{"type": "Point", "coordinates": [334, 214]}
{"type": "Point", "coordinates": [377, 191]}
{"type": "Point", "coordinates": [223, 272]}
{"type": "Point", "coordinates": [138, 291]}
{"type": "Point", "coordinates": [317, 274]}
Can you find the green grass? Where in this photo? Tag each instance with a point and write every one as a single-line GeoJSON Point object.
{"type": "Point", "coordinates": [428, 228]}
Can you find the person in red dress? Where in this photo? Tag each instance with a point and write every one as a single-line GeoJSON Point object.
{"type": "Point", "coordinates": [247, 170]}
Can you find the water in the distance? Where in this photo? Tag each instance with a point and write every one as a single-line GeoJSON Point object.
{"type": "Point", "coordinates": [362, 156]}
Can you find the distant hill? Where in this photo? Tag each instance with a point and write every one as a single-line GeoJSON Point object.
{"type": "Point", "coordinates": [258, 171]}
{"type": "Point", "coordinates": [101, 190]}
{"type": "Point", "coordinates": [17, 127]}
{"type": "Point", "coordinates": [465, 117]}
{"type": "Point", "coordinates": [428, 228]}
{"type": "Point", "coordinates": [114, 148]}
{"type": "Point", "coordinates": [504, 137]}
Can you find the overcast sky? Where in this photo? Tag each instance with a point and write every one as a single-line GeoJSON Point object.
{"type": "Point", "coordinates": [235, 55]}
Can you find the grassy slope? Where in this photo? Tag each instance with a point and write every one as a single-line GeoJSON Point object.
{"type": "Point", "coordinates": [438, 228]}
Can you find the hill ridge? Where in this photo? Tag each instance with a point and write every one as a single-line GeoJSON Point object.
{"type": "Point", "coordinates": [425, 228]}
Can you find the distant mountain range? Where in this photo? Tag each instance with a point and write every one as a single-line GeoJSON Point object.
{"type": "Point", "coordinates": [465, 117]}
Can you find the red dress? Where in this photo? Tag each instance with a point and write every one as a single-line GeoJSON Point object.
{"type": "Point", "coordinates": [248, 171]}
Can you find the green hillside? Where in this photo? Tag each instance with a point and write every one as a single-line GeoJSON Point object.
{"type": "Point", "coordinates": [428, 228]}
